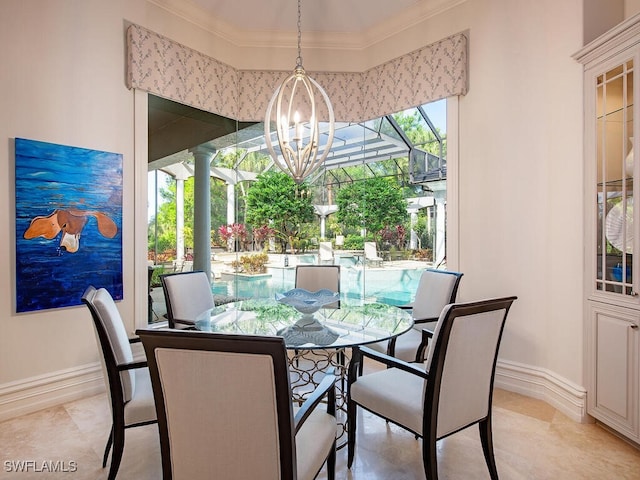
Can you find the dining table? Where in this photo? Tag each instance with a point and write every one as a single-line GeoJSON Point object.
{"type": "Point", "coordinates": [317, 342]}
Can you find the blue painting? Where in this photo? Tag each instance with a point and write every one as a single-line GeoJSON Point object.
{"type": "Point", "coordinates": [68, 224]}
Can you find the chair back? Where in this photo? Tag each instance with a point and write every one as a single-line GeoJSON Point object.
{"type": "Point", "coordinates": [325, 252]}
{"type": "Point", "coordinates": [114, 343]}
{"type": "Point", "coordinates": [317, 277]}
{"type": "Point", "coordinates": [461, 365]}
{"type": "Point", "coordinates": [187, 295]}
{"type": "Point", "coordinates": [223, 403]}
{"type": "Point", "coordinates": [371, 251]}
{"type": "Point", "coordinates": [436, 289]}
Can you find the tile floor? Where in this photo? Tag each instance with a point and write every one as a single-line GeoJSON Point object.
{"type": "Point", "coordinates": [532, 441]}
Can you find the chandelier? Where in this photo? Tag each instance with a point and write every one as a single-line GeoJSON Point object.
{"type": "Point", "coordinates": [296, 122]}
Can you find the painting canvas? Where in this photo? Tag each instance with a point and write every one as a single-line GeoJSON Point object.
{"type": "Point", "coordinates": [68, 224]}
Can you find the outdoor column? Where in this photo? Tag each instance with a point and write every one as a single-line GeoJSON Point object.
{"type": "Point", "coordinates": [439, 246]}
{"type": "Point", "coordinates": [202, 210]}
{"type": "Point", "coordinates": [324, 211]}
{"type": "Point", "coordinates": [413, 239]}
{"type": "Point", "coordinates": [231, 203]}
{"type": "Point", "coordinates": [179, 219]}
{"type": "Point", "coordinates": [414, 206]}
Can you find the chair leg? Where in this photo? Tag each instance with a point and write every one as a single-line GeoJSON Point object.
{"type": "Point", "coordinates": [429, 458]}
{"type": "Point", "coordinates": [486, 437]}
{"type": "Point", "coordinates": [107, 448]}
{"type": "Point", "coordinates": [351, 431]}
{"type": "Point", "coordinates": [331, 463]}
{"type": "Point", "coordinates": [116, 456]}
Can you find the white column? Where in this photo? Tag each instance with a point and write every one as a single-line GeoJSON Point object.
{"type": "Point", "coordinates": [439, 244]}
{"type": "Point", "coordinates": [202, 210]}
{"type": "Point", "coordinates": [413, 240]}
{"type": "Point", "coordinates": [415, 204]}
{"type": "Point", "coordinates": [179, 219]}
{"type": "Point", "coordinates": [323, 211]}
{"type": "Point", "coordinates": [231, 211]}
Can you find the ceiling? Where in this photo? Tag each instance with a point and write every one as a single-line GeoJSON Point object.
{"type": "Point", "coordinates": [316, 15]}
{"type": "Point", "coordinates": [260, 22]}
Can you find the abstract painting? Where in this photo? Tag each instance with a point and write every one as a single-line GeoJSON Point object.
{"type": "Point", "coordinates": [68, 224]}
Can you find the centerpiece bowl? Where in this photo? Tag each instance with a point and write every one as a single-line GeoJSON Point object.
{"type": "Point", "coordinates": [307, 302]}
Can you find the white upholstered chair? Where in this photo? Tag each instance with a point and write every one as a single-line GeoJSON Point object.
{"type": "Point", "coordinates": [187, 295]}
{"type": "Point", "coordinates": [436, 289]}
{"type": "Point", "coordinates": [232, 416]}
{"type": "Point", "coordinates": [450, 392]}
{"type": "Point", "coordinates": [128, 382]}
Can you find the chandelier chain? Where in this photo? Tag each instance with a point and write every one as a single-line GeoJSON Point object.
{"type": "Point", "coordinates": [297, 127]}
{"type": "Point", "coordinates": [299, 59]}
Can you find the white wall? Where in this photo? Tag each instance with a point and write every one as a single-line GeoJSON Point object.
{"type": "Point", "coordinates": [520, 183]}
{"type": "Point", "coordinates": [62, 81]}
{"type": "Point", "coordinates": [631, 7]}
{"type": "Point", "coordinates": [521, 177]}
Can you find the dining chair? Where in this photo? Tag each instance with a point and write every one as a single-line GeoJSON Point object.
{"type": "Point", "coordinates": [233, 417]}
{"type": "Point", "coordinates": [371, 253]}
{"type": "Point", "coordinates": [187, 295]}
{"type": "Point", "coordinates": [317, 277]}
{"type": "Point", "coordinates": [127, 381]}
{"type": "Point", "coordinates": [436, 289]}
{"type": "Point", "coordinates": [453, 390]}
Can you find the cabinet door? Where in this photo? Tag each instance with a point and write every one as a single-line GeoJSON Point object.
{"type": "Point", "coordinates": [613, 392]}
{"type": "Point", "coordinates": [613, 165]}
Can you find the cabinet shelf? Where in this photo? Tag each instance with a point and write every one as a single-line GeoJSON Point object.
{"type": "Point", "coordinates": [615, 112]}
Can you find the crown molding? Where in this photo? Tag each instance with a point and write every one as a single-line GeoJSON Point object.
{"type": "Point", "coordinates": [246, 38]}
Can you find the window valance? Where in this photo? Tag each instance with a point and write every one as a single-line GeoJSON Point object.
{"type": "Point", "coordinates": [166, 68]}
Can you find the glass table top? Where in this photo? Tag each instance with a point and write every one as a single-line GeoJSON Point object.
{"type": "Point", "coordinates": [349, 325]}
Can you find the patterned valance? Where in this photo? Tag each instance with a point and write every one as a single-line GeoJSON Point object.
{"type": "Point", "coordinates": [163, 67]}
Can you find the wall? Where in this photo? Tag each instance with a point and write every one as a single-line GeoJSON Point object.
{"type": "Point", "coordinates": [598, 20]}
{"type": "Point", "coordinates": [62, 82]}
{"type": "Point", "coordinates": [520, 173]}
{"type": "Point", "coordinates": [631, 7]}
{"type": "Point", "coordinates": [521, 177]}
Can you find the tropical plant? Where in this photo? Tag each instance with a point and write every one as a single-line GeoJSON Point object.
{"type": "Point", "coordinates": [251, 264]}
{"type": "Point", "coordinates": [233, 234]}
{"type": "Point", "coordinates": [261, 235]}
{"type": "Point", "coordinates": [277, 201]}
{"type": "Point", "coordinates": [373, 204]}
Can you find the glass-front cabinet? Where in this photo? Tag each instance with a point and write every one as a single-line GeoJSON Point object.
{"type": "Point", "coordinates": [614, 168]}
{"type": "Point", "coordinates": [612, 271]}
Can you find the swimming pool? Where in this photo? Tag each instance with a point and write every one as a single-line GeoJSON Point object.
{"type": "Point", "coordinates": [387, 285]}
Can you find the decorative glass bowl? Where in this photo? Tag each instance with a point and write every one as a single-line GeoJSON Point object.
{"type": "Point", "coordinates": [307, 302]}
{"type": "Point", "coordinates": [308, 331]}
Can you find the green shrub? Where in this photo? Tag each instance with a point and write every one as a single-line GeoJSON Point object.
{"type": "Point", "coordinates": [353, 242]}
{"type": "Point", "coordinates": [251, 264]}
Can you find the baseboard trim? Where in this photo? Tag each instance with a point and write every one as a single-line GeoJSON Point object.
{"type": "Point", "coordinates": [45, 391]}
{"type": "Point", "coordinates": [562, 394]}
{"type": "Point", "coordinates": [36, 393]}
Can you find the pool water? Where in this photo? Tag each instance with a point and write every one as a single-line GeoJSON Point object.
{"type": "Point", "coordinates": [390, 286]}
